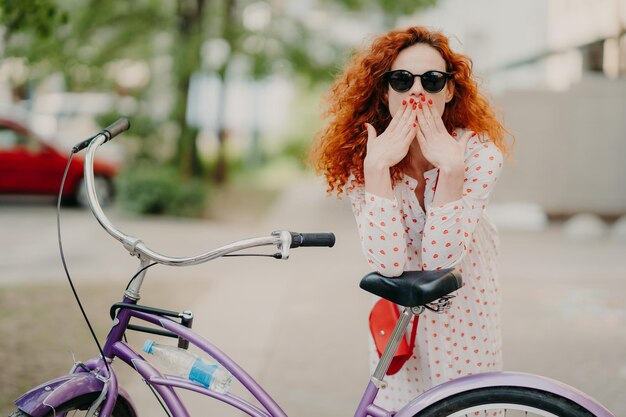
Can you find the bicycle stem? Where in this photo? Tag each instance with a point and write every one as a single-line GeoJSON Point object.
{"type": "Point", "coordinates": [135, 285]}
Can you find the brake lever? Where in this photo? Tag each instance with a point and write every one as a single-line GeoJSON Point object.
{"type": "Point", "coordinates": [285, 243]}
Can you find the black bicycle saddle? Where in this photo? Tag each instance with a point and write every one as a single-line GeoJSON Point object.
{"type": "Point", "coordinates": [413, 288]}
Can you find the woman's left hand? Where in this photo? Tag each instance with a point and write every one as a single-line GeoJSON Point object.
{"type": "Point", "coordinates": [437, 145]}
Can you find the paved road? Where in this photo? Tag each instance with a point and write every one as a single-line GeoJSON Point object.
{"type": "Point", "coordinates": [299, 327]}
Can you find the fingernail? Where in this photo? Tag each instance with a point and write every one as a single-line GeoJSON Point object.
{"type": "Point", "coordinates": [414, 106]}
{"type": "Point", "coordinates": [414, 124]}
{"type": "Point", "coordinates": [419, 105]}
{"type": "Point", "coordinates": [411, 101]}
{"type": "Point", "coordinates": [453, 133]}
{"type": "Point", "coordinates": [473, 134]}
{"type": "Point", "coordinates": [364, 125]}
{"type": "Point", "coordinates": [404, 102]}
{"type": "Point", "coordinates": [423, 98]}
{"type": "Point", "coordinates": [430, 101]}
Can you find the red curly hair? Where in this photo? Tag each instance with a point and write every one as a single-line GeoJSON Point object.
{"type": "Point", "coordinates": [360, 95]}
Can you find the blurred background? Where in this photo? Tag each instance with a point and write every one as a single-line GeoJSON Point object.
{"type": "Point", "coordinates": [220, 90]}
{"type": "Point", "coordinates": [225, 98]}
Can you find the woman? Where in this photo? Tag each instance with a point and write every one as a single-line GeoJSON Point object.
{"type": "Point", "coordinates": [418, 150]}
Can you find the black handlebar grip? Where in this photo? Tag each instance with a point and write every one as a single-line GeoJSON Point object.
{"type": "Point", "coordinates": [312, 239]}
{"type": "Point", "coordinates": [110, 132]}
{"type": "Point", "coordinates": [116, 128]}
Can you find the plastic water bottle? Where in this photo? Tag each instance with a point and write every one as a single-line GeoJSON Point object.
{"type": "Point", "coordinates": [180, 362]}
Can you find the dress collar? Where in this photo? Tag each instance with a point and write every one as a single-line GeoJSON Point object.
{"type": "Point", "coordinates": [428, 176]}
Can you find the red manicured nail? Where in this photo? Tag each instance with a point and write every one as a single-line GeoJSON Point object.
{"type": "Point", "coordinates": [404, 102]}
{"type": "Point", "coordinates": [430, 101]}
{"type": "Point", "coordinates": [414, 106]}
{"type": "Point", "coordinates": [419, 105]}
{"type": "Point", "coordinates": [453, 133]}
{"type": "Point", "coordinates": [411, 101]}
{"type": "Point", "coordinates": [414, 124]}
{"type": "Point", "coordinates": [423, 98]}
{"type": "Point", "coordinates": [473, 134]}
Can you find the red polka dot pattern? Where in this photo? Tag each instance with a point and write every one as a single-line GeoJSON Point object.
{"type": "Point", "coordinates": [397, 235]}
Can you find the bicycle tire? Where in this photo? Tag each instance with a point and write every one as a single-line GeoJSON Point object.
{"type": "Point", "coordinates": [541, 403]}
{"type": "Point", "coordinates": [82, 404]}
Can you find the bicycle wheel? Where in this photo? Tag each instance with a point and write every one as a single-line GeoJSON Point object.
{"type": "Point", "coordinates": [79, 407]}
{"type": "Point", "coordinates": [505, 401]}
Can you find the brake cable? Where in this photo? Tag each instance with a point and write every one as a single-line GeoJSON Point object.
{"type": "Point", "coordinates": [67, 273]}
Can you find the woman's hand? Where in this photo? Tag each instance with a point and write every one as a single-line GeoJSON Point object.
{"type": "Point", "coordinates": [436, 144]}
{"type": "Point", "coordinates": [389, 148]}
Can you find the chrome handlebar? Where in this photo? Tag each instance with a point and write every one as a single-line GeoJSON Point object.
{"type": "Point", "coordinates": [281, 239]}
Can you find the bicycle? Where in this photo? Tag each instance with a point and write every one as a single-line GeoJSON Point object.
{"type": "Point", "coordinates": [92, 386]}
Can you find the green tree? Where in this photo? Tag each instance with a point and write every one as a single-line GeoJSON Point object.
{"type": "Point", "coordinates": [39, 17]}
{"type": "Point", "coordinates": [79, 38]}
{"type": "Point", "coordinates": [189, 38]}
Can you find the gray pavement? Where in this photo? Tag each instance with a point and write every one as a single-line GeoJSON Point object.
{"type": "Point", "coordinates": [299, 327]}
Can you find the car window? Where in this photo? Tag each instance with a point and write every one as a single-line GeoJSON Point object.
{"type": "Point", "coordinates": [10, 139]}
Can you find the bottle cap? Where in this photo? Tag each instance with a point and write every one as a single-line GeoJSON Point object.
{"type": "Point", "coordinates": [147, 346]}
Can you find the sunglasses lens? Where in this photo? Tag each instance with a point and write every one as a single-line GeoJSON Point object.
{"type": "Point", "coordinates": [401, 81]}
{"type": "Point", "coordinates": [433, 81]}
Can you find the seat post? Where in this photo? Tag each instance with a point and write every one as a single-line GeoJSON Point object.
{"type": "Point", "coordinates": [394, 341]}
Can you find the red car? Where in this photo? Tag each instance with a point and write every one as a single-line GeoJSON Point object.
{"type": "Point", "coordinates": [28, 166]}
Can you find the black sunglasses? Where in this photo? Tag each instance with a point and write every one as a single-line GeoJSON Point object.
{"type": "Point", "coordinates": [432, 81]}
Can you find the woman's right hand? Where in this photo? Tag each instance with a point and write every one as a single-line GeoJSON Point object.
{"type": "Point", "coordinates": [390, 147]}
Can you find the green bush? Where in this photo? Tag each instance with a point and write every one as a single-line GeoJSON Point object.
{"type": "Point", "coordinates": [152, 189]}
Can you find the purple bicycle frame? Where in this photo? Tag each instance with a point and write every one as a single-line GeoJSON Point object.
{"type": "Point", "coordinates": [94, 377]}
{"type": "Point", "coordinates": [115, 347]}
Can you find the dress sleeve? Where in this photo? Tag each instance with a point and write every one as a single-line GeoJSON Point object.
{"type": "Point", "coordinates": [449, 228]}
{"type": "Point", "coordinates": [381, 230]}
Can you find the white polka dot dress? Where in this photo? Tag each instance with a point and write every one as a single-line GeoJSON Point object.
{"type": "Point", "coordinates": [397, 235]}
